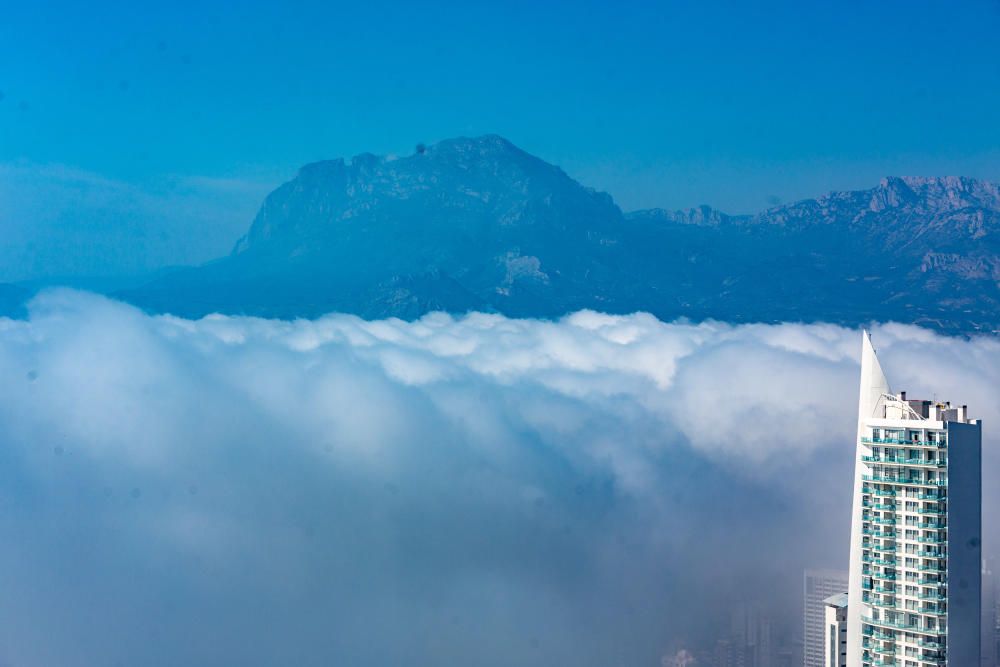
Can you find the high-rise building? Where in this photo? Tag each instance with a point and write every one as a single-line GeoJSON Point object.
{"type": "Point", "coordinates": [835, 630]}
{"type": "Point", "coordinates": [817, 585]}
{"type": "Point", "coordinates": [916, 555]}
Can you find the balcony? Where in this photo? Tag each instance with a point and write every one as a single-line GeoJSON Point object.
{"type": "Point", "coordinates": [876, 533]}
{"type": "Point", "coordinates": [932, 512]}
{"type": "Point", "coordinates": [935, 596]}
{"type": "Point", "coordinates": [931, 525]}
{"type": "Point", "coordinates": [933, 444]}
{"type": "Point", "coordinates": [899, 460]}
{"type": "Point", "coordinates": [882, 623]}
{"type": "Point", "coordinates": [904, 481]}
{"type": "Point", "coordinates": [931, 568]}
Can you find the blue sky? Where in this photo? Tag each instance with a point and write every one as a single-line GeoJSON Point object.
{"type": "Point", "coordinates": [661, 104]}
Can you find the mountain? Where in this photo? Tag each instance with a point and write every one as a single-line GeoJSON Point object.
{"type": "Point", "coordinates": [478, 224]}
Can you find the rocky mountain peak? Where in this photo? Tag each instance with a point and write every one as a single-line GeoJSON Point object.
{"type": "Point", "coordinates": [935, 193]}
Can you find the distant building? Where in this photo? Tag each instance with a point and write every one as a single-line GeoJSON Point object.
{"type": "Point", "coordinates": [751, 635]}
{"type": "Point", "coordinates": [916, 558]}
{"type": "Point", "coordinates": [817, 586]}
{"type": "Point", "coordinates": [835, 630]}
{"type": "Point", "coordinates": [991, 637]}
{"type": "Point", "coordinates": [727, 654]}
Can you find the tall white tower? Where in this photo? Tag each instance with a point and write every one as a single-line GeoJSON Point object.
{"type": "Point", "coordinates": [915, 570]}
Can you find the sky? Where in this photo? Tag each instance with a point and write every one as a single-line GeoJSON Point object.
{"type": "Point", "coordinates": [597, 490]}
{"type": "Point", "coordinates": [187, 114]}
{"type": "Point", "coordinates": [453, 490]}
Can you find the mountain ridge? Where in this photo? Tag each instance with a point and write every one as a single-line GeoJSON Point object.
{"type": "Point", "coordinates": [476, 223]}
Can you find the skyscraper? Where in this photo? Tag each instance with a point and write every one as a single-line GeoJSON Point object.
{"type": "Point", "coordinates": [916, 561]}
{"type": "Point", "coordinates": [817, 585]}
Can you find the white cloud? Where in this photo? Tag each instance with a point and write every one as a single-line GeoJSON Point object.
{"type": "Point", "coordinates": [473, 490]}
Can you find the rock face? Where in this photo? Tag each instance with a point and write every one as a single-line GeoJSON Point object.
{"type": "Point", "coordinates": [479, 224]}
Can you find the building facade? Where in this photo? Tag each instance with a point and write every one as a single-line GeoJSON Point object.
{"type": "Point", "coordinates": [916, 555]}
{"type": "Point", "coordinates": [835, 630]}
{"type": "Point", "coordinates": [817, 586]}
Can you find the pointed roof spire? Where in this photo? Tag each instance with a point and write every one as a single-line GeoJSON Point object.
{"type": "Point", "coordinates": [873, 381]}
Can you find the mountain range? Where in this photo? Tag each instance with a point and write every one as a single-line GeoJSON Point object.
{"type": "Point", "coordinates": [478, 224]}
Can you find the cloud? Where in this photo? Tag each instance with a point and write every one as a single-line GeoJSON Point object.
{"type": "Point", "coordinates": [451, 491]}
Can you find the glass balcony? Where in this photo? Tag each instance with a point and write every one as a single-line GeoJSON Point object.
{"type": "Point", "coordinates": [932, 596]}
{"type": "Point", "coordinates": [904, 481]}
{"type": "Point", "coordinates": [882, 623]}
{"type": "Point", "coordinates": [909, 443]}
{"type": "Point", "coordinates": [932, 568]}
{"type": "Point", "coordinates": [899, 460]}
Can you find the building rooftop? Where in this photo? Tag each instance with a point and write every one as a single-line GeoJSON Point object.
{"type": "Point", "coordinates": [880, 402]}
{"type": "Point", "coordinates": [839, 600]}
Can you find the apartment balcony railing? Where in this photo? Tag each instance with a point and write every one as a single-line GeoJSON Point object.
{"type": "Point", "coordinates": [932, 512]}
{"type": "Point", "coordinates": [899, 460]}
{"type": "Point", "coordinates": [909, 443]}
{"type": "Point", "coordinates": [878, 492]}
{"type": "Point", "coordinates": [904, 626]}
{"type": "Point", "coordinates": [876, 633]}
{"type": "Point", "coordinates": [929, 553]}
{"type": "Point", "coordinates": [936, 596]}
{"type": "Point", "coordinates": [883, 603]}
{"type": "Point", "coordinates": [877, 533]}
{"type": "Point", "coordinates": [928, 643]}
{"type": "Point", "coordinates": [904, 481]}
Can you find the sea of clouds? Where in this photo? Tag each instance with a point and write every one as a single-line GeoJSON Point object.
{"type": "Point", "coordinates": [596, 490]}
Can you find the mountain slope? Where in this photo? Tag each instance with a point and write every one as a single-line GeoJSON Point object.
{"type": "Point", "coordinates": [476, 223]}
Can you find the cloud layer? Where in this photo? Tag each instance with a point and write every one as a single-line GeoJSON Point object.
{"type": "Point", "coordinates": [451, 491]}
